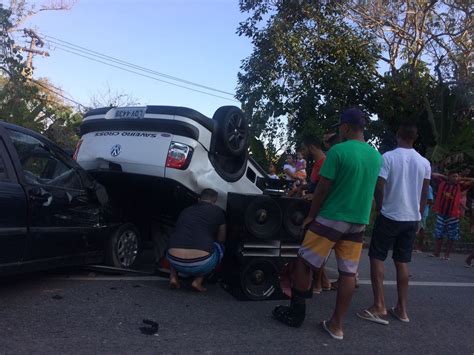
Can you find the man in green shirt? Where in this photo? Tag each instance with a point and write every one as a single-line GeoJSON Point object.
{"type": "Point", "coordinates": [339, 212]}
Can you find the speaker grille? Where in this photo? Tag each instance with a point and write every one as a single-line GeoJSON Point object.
{"type": "Point", "coordinates": [263, 218]}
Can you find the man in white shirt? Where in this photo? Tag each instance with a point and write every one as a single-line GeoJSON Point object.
{"type": "Point", "coordinates": [400, 198]}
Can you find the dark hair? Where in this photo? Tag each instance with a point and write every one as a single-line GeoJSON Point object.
{"type": "Point", "coordinates": [408, 131]}
{"type": "Point", "coordinates": [307, 141]}
{"type": "Point", "coordinates": [209, 195]}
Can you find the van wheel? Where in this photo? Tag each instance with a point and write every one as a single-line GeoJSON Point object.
{"type": "Point", "coordinates": [123, 246]}
{"type": "Point", "coordinates": [232, 130]}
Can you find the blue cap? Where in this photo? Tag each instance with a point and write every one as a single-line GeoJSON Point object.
{"type": "Point", "coordinates": [352, 116]}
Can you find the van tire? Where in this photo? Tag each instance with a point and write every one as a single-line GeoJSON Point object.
{"type": "Point", "coordinates": [232, 131]}
{"type": "Point", "coordinates": [123, 247]}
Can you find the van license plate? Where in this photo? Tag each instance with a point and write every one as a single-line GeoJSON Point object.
{"type": "Point", "coordinates": [130, 112]}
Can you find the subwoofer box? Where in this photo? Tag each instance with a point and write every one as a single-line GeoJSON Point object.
{"type": "Point", "coordinates": [264, 233]}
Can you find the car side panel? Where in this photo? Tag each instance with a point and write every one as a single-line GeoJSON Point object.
{"type": "Point", "coordinates": [201, 174]}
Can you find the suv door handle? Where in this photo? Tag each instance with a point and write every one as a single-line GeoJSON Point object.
{"type": "Point", "coordinates": [40, 195]}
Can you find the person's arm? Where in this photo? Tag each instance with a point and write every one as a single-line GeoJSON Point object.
{"type": "Point", "coordinates": [424, 195]}
{"type": "Point", "coordinates": [319, 196]}
{"type": "Point", "coordinates": [304, 164]}
{"type": "Point", "coordinates": [378, 194]}
{"type": "Point", "coordinates": [290, 174]}
{"type": "Point", "coordinates": [438, 176]}
{"type": "Point", "coordinates": [384, 174]}
{"type": "Point", "coordinates": [467, 183]}
{"type": "Point", "coordinates": [221, 234]}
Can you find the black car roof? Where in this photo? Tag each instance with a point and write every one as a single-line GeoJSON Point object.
{"type": "Point", "coordinates": [27, 131]}
{"type": "Point", "coordinates": [165, 110]}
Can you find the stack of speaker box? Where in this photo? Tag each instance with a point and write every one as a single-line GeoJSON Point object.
{"type": "Point", "coordinates": [264, 234]}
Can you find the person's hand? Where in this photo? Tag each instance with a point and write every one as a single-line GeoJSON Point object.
{"type": "Point", "coordinates": [308, 197]}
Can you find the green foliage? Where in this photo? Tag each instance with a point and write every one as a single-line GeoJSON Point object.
{"type": "Point", "coordinates": [307, 65]}
{"type": "Point", "coordinates": [31, 104]}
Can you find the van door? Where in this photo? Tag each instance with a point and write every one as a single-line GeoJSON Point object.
{"type": "Point", "coordinates": [13, 213]}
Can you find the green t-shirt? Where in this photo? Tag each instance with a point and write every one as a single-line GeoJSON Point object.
{"type": "Point", "coordinates": [353, 167]}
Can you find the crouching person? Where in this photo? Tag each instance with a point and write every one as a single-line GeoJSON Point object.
{"type": "Point", "coordinates": [197, 244]}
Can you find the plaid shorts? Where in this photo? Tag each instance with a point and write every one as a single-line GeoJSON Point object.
{"type": "Point", "coordinates": [324, 235]}
{"type": "Point", "coordinates": [447, 227]}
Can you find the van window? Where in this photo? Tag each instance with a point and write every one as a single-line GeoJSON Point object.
{"type": "Point", "coordinates": [42, 166]}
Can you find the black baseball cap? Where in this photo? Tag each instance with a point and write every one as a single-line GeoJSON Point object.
{"type": "Point", "coordinates": [352, 116]}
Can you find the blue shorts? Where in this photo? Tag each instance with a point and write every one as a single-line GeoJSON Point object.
{"type": "Point", "coordinates": [198, 266]}
{"type": "Point", "coordinates": [447, 227]}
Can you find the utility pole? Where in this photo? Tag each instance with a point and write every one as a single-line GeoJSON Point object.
{"type": "Point", "coordinates": [35, 42]}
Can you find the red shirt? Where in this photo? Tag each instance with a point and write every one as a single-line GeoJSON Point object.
{"type": "Point", "coordinates": [315, 172]}
{"type": "Point", "coordinates": [448, 199]}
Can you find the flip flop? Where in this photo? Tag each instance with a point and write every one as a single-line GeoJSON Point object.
{"type": "Point", "coordinates": [327, 330]}
{"type": "Point", "coordinates": [395, 315]}
{"type": "Point", "coordinates": [371, 317]}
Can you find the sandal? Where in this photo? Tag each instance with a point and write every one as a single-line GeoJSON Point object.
{"type": "Point", "coordinates": [372, 317]}
{"type": "Point", "coordinates": [394, 314]}
{"type": "Point", "coordinates": [325, 326]}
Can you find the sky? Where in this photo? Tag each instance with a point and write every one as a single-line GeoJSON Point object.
{"type": "Point", "coordinates": [194, 40]}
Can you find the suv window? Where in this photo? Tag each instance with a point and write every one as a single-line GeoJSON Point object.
{"type": "Point", "coordinates": [41, 165]}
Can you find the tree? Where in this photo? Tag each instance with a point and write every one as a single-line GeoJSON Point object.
{"type": "Point", "coordinates": [112, 98]}
{"type": "Point", "coordinates": [428, 46]}
{"type": "Point", "coordinates": [307, 65]}
{"type": "Point", "coordinates": [35, 104]}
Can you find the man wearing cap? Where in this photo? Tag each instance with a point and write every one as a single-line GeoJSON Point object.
{"type": "Point", "coordinates": [339, 212]}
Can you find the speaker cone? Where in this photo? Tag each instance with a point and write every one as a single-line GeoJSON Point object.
{"type": "Point", "coordinates": [263, 218]}
{"type": "Point", "coordinates": [295, 213]}
{"type": "Point", "coordinates": [259, 279]}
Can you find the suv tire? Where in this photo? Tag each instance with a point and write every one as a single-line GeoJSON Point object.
{"type": "Point", "coordinates": [232, 130]}
{"type": "Point", "coordinates": [123, 246]}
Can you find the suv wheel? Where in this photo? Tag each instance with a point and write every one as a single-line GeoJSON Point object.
{"type": "Point", "coordinates": [232, 130]}
{"type": "Point", "coordinates": [123, 246]}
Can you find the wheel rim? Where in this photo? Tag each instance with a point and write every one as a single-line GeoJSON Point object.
{"type": "Point", "coordinates": [236, 132]}
{"type": "Point", "coordinates": [127, 248]}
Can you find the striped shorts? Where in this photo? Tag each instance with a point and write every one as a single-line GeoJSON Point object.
{"type": "Point", "coordinates": [447, 227]}
{"type": "Point", "coordinates": [324, 235]}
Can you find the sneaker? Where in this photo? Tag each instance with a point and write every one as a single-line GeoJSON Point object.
{"type": "Point", "coordinates": [417, 251]}
{"type": "Point", "coordinates": [290, 315]}
{"type": "Point", "coordinates": [468, 265]}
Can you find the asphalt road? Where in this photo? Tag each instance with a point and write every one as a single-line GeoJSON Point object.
{"type": "Point", "coordinates": [75, 311]}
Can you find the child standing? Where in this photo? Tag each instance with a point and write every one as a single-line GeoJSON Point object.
{"type": "Point", "coordinates": [426, 212]}
{"type": "Point", "coordinates": [272, 172]}
{"type": "Point", "coordinates": [300, 167]}
{"type": "Point", "coordinates": [448, 209]}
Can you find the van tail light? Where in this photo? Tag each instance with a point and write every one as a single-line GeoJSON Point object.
{"type": "Point", "coordinates": [76, 152]}
{"type": "Point", "coordinates": [179, 156]}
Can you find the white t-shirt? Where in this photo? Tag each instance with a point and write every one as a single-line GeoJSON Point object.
{"type": "Point", "coordinates": [404, 171]}
{"type": "Point", "coordinates": [273, 176]}
{"type": "Point", "coordinates": [291, 169]}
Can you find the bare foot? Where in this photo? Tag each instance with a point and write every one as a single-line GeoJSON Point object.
{"type": "Point", "coordinates": [334, 329]}
{"type": "Point", "coordinates": [197, 286]}
{"type": "Point", "coordinates": [378, 312]}
{"type": "Point", "coordinates": [174, 283]}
